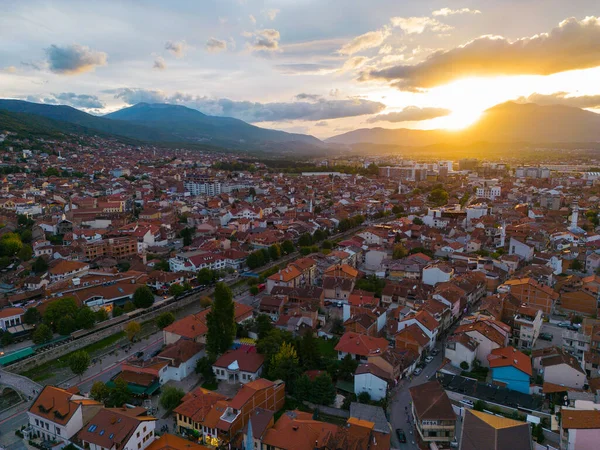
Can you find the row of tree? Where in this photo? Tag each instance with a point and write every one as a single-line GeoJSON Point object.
{"type": "Point", "coordinates": [265, 255]}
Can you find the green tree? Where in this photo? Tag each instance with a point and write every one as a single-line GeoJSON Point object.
{"type": "Point", "coordinates": [60, 309]}
{"type": "Point", "coordinates": [99, 392]}
{"type": "Point", "coordinates": [284, 364]}
{"type": "Point", "coordinates": [42, 334]}
{"type": "Point", "coordinates": [347, 367]}
{"type": "Point", "coordinates": [205, 276]}
{"type": "Point", "coordinates": [576, 265]}
{"type": "Point", "coordinates": [204, 368]}
{"type": "Point", "coordinates": [364, 397]}
{"type": "Point", "coordinates": [79, 362]}
{"type": "Point", "coordinates": [25, 253]}
{"type": "Point", "coordinates": [117, 311]}
{"type": "Point", "coordinates": [464, 365]}
{"type": "Point", "coordinates": [129, 307]}
{"type": "Point", "coordinates": [252, 261]}
{"type": "Point", "coordinates": [221, 322]}
{"type": "Point", "coordinates": [205, 301]}
{"type": "Point", "coordinates": [264, 325]}
{"type": "Point", "coordinates": [171, 397]}
{"type": "Point", "coordinates": [10, 244]}
{"type": "Point", "coordinates": [165, 319]}
{"type": "Point", "coordinates": [119, 395]}
{"type": "Point", "coordinates": [132, 329]}
{"type": "Point", "coordinates": [479, 405]}
{"type": "Point", "coordinates": [101, 315]}
{"type": "Point", "coordinates": [176, 289]}
{"type": "Point", "coordinates": [143, 297]}
{"type": "Point", "coordinates": [309, 351]}
{"type": "Point", "coordinates": [52, 172]}
{"type": "Point", "coordinates": [7, 339]}
{"type": "Point", "coordinates": [162, 265]}
{"type": "Point", "coordinates": [324, 390]}
{"type": "Point", "coordinates": [85, 318]}
{"type": "Point", "coordinates": [32, 316]}
{"type": "Point", "coordinates": [327, 245]}
{"type": "Point", "coordinates": [274, 252]}
{"type": "Point", "coordinates": [303, 388]}
{"type": "Point", "coordinates": [305, 240]}
{"type": "Point", "coordinates": [399, 251]}
{"type": "Point", "coordinates": [438, 196]}
{"type": "Point", "coordinates": [287, 247]}
{"type": "Point", "coordinates": [66, 325]}
{"type": "Point", "coordinates": [418, 221]}
{"type": "Point", "coordinates": [40, 265]}
{"type": "Point", "coordinates": [254, 290]}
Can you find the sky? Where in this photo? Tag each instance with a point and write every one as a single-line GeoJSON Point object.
{"type": "Point", "coordinates": [322, 67]}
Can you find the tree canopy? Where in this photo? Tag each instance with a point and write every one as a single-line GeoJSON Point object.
{"type": "Point", "coordinates": [221, 322]}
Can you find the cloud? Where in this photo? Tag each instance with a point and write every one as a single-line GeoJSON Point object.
{"type": "Point", "coordinates": [74, 59]}
{"type": "Point", "coordinates": [304, 96]}
{"type": "Point", "coordinates": [365, 41]}
{"type": "Point", "coordinates": [572, 45]}
{"type": "Point", "coordinates": [417, 25]}
{"type": "Point", "coordinates": [411, 114]}
{"type": "Point", "coordinates": [562, 98]}
{"type": "Point", "coordinates": [159, 63]}
{"type": "Point", "coordinates": [305, 69]}
{"type": "Point", "coordinates": [318, 109]}
{"type": "Point", "coordinates": [322, 123]}
{"type": "Point", "coordinates": [264, 40]}
{"type": "Point", "coordinates": [252, 18]}
{"type": "Point", "coordinates": [353, 63]}
{"type": "Point", "coordinates": [177, 48]}
{"type": "Point", "coordinates": [272, 13]}
{"type": "Point", "coordinates": [214, 45]}
{"type": "Point", "coordinates": [10, 69]}
{"type": "Point", "coordinates": [452, 12]}
{"type": "Point", "coordinates": [83, 101]}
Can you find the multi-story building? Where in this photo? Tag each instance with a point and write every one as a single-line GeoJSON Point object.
{"type": "Point", "coordinates": [203, 186]}
{"type": "Point", "coordinates": [531, 293]}
{"type": "Point", "coordinates": [121, 247]}
{"type": "Point", "coordinates": [526, 327]}
{"type": "Point", "coordinates": [435, 420]}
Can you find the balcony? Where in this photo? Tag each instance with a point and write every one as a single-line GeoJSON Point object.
{"type": "Point", "coordinates": [230, 415]}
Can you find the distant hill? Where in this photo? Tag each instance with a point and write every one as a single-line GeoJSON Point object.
{"type": "Point", "coordinates": [171, 123]}
{"type": "Point", "coordinates": [505, 123]}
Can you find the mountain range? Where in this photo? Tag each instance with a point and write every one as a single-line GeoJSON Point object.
{"type": "Point", "coordinates": [508, 122]}
{"type": "Point", "coordinates": [175, 124]}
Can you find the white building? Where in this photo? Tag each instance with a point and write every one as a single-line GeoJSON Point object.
{"type": "Point", "coordinates": [239, 366]}
{"type": "Point", "coordinates": [461, 348]}
{"type": "Point", "coordinates": [435, 273]}
{"type": "Point", "coordinates": [118, 429]}
{"type": "Point", "coordinates": [489, 192]}
{"type": "Point", "coordinates": [10, 317]}
{"type": "Point", "coordinates": [522, 250]}
{"type": "Point", "coordinates": [371, 379]}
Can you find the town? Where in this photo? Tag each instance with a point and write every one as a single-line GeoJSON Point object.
{"type": "Point", "coordinates": [159, 298]}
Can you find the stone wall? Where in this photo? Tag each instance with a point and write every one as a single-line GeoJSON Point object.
{"type": "Point", "coordinates": [71, 346]}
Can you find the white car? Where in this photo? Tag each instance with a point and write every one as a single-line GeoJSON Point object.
{"type": "Point", "coordinates": [417, 371]}
{"type": "Point", "coordinates": [429, 359]}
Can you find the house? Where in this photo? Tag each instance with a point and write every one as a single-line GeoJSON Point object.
{"type": "Point", "coordinates": [395, 362]}
{"type": "Point", "coordinates": [434, 416]}
{"type": "Point", "coordinates": [531, 293]}
{"type": "Point", "coordinates": [308, 269]}
{"type": "Point", "coordinates": [371, 379]}
{"type": "Point", "coordinates": [488, 334]}
{"type": "Point", "coordinates": [437, 272]}
{"type": "Point", "coordinates": [10, 317]}
{"type": "Point", "coordinates": [579, 429]}
{"type": "Point", "coordinates": [339, 281]}
{"type": "Point", "coordinates": [218, 418]}
{"type": "Point", "coordinates": [425, 321]}
{"type": "Point", "coordinates": [182, 357]}
{"type": "Point", "coordinates": [510, 368]}
{"type": "Point", "coordinates": [118, 428]}
{"type": "Point", "coordinates": [58, 414]}
{"type": "Point", "coordinates": [65, 269]}
{"type": "Point", "coordinates": [483, 431]}
{"type": "Point", "coordinates": [239, 366]}
{"type": "Point", "coordinates": [523, 251]}
{"type": "Point", "coordinates": [526, 326]}
{"type": "Point", "coordinates": [563, 369]}
{"type": "Point", "coordinates": [460, 348]}
{"type": "Point", "coordinates": [360, 346]}
{"type": "Point", "coordinates": [288, 277]}
{"type": "Point", "coordinates": [296, 430]}
{"type": "Point", "coordinates": [412, 338]}
{"type": "Point", "coordinates": [171, 442]}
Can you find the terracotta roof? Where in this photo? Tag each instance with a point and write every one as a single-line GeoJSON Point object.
{"type": "Point", "coordinates": [360, 344]}
{"type": "Point", "coordinates": [286, 275]}
{"type": "Point", "coordinates": [55, 405]}
{"type": "Point", "coordinates": [297, 430]}
{"type": "Point", "coordinates": [110, 428]}
{"type": "Point", "coordinates": [414, 333]}
{"type": "Point", "coordinates": [198, 403]}
{"type": "Point", "coordinates": [482, 431]}
{"type": "Point", "coordinates": [510, 356]}
{"type": "Point", "coordinates": [10, 312]}
{"type": "Point", "coordinates": [65, 266]}
{"type": "Point", "coordinates": [431, 402]}
{"type": "Point", "coordinates": [580, 419]}
{"type": "Point", "coordinates": [373, 370]}
{"type": "Point", "coordinates": [181, 351]}
{"type": "Point", "coordinates": [248, 361]}
{"type": "Point", "coordinates": [562, 357]}
{"type": "Point", "coordinates": [485, 329]}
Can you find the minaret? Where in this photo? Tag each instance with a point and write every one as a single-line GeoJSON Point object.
{"type": "Point", "coordinates": [249, 444]}
{"type": "Point", "coordinates": [503, 234]}
{"type": "Point", "coordinates": [310, 206]}
{"type": "Point", "coordinates": [574, 214]}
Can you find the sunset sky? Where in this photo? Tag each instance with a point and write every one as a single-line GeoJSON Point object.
{"type": "Point", "coordinates": [322, 67]}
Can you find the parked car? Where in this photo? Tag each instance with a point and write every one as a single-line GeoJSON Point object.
{"type": "Point", "coordinates": [435, 351]}
{"type": "Point", "coordinates": [139, 354]}
{"type": "Point", "coordinates": [546, 336]}
{"type": "Point", "coordinates": [418, 371]}
{"type": "Point", "coordinates": [401, 435]}
{"type": "Point", "coordinates": [429, 359]}
{"type": "Point", "coordinates": [564, 324]}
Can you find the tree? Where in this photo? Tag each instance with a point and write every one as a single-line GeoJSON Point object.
{"type": "Point", "coordinates": [274, 252]}
{"type": "Point", "coordinates": [119, 395]}
{"type": "Point", "coordinates": [165, 319]}
{"type": "Point", "coordinates": [7, 339]}
{"type": "Point", "coordinates": [162, 265]}
{"type": "Point", "coordinates": [176, 289]}
{"type": "Point", "coordinates": [254, 290]}
{"type": "Point", "coordinates": [309, 351]}
{"type": "Point", "coordinates": [101, 315]}
{"type": "Point", "coordinates": [324, 390]}
{"type": "Point", "coordinates": [264, 325]}
{"type": "Point", "coordinates": [66, 325]}
{"type": "Point", "coordinates": [60, 309]}
{"type": "Point", "coordinates": [399, 251]}
{"type": "Point", "coordinates": [418, 221]}
{"type": "Point", "coordinates": [10, 244]}
{"type": "Point", "coordinates": [221, 322]}
{"type": "Point", "coordinates": [171, 397]}
{"type": "Point", "coordinates": [205, 276]}
{"type": "Point", "coordinates": [464, 365]}
{"type": "Point", "coordinates": [85, 318]}
{"type": "Point", "coordinates": [479, 405]}
{"type": "Point", "coordinates": [40, 265]}
{"type": "Point", "coordinates": [303, 388]}
{"type": "Point", "coordinates": [364, 397]}
{"type": "Point", "coordinates": [99, 391]}
{"type": "Point", "coordinates": [42, 334]}
{"type": "Point", "coordinates": [537, 432]}
{"type": "Point", "coordinates": [576, 265]}
{"type": "Point", "coordinates": [132, 329]}
{"type": "Point", "coordinates": [32, 316]}
{"type": "Point", "coordinates": [79, 362]}
{"type": "Point", "coordinates": [438, 196]}
{"type": "Point", "coordinates": [25, 253]}
{"type": "Point", "coordinates": [327, 245]}
{"type": "Point", "coordinates": [287, 247]}
{"type": "Point", "coordinates": [117, 311]}
{"type": "Point", "coordinates": [128, 307]}
{"type": "Point", "coordinates": [347, 367]}
{"type": "Point", "coordinates": [143, 297]}
{"type": "Point", "coordinates": [305, 240]}
{"type": "Point", "coordinates": [205, 301]}
{"type": "Point", "coordinates": [204, 368]}
{"type": "Point", "coordinates": [284, 364]}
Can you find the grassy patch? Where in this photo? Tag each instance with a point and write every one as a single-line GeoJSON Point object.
{"type": "Point", "coordinates": [326, 348]}
{"type": "Point", "coordinates": [210, 385]}
{"type": "Point", "coordinates": [103, 343]}
{"type": "Point", "coordinates": [39, 377]}
{"type": "Point", "coordinates": [331, 419]}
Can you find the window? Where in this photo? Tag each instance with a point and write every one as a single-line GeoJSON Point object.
{"type": "Point", "coordinates": [37, 423]}
{"type": "Point", "coordinates": [57, 431]}
{"type": "Point", "coordinates": [139, 445]}
{"type": "Point", "coordinates": [138, 434]}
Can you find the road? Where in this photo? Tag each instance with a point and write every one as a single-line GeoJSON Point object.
{"type": "Point", "coordinates": [401, 403]}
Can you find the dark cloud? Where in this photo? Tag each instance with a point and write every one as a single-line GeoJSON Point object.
{"type": "Point", "coordinates": [82, 101]}
{"type": "Point", "coordinates": [572, 45]}
{"type": "Point", "coordinates": [215, 45]}
{"type": "Point", "coordinates": [74, 59]}
{"type": "Point", "coordinates": [316, 110]}
{"type": "Point", "coordinates": [411, 114]}
{"type": "Point", "coordinates": [563, 98]}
